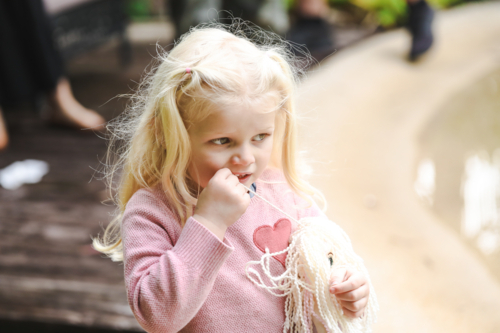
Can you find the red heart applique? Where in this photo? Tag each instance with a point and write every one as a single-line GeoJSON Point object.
{"type": "Point", "coordinates": [274, 238]}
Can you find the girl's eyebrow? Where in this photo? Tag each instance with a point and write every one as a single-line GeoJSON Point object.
{"type": "Point", "coordinates": [223, 133]}
{"type": "Point", "coordinates": [219, 133]}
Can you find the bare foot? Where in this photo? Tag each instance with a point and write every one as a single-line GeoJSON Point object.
{"type": "Point", "coordinates": [66, 110]}
{"type": "Point", "coordinates": [312, 8]}
{"type": "Point", "coordinates": [4, 136]}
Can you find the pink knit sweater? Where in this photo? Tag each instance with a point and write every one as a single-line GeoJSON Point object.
{"type": "Point", "coordinates": [187, 280]}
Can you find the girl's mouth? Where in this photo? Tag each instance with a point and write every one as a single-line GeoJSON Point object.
{"type": "Point", "coordinates": [243, 177]}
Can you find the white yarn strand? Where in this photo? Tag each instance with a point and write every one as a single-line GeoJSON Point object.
{"type": "Point", "coordinates": [308, 270]}
{"type": "Point", "coordinates": [270, 204]}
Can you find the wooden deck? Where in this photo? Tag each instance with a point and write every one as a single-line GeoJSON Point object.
{"type": "Point", "coordinates": [50, 277]}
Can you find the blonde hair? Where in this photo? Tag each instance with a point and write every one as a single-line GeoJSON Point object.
{"type": "Point", "coordinates": [213, 64]}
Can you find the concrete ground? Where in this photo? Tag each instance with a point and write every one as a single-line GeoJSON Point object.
{"type": "Point", "coordinates": [364, 111]}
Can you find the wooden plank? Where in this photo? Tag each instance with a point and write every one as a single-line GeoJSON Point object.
{"type": "Point", "coordinates": [48, 270]}
{"type": "Point", "coordinates": [73, 302]}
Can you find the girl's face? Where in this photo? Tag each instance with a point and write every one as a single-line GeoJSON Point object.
{"type": "Point", "coordinates": [237, 138]}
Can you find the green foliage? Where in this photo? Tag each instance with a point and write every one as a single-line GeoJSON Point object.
{"type": "Point", "coordinates": [393, 12]}
{"type": "Point", "coordinates": [388, 12]}
{"type": "Point", "coordinates": [444, 3]}
{"type": "Point", "coordinates": [289, 4]}
{"type": "Point", "coordinates": [138, 10]}
{"type": "Point", "coordinates": [338, 2]}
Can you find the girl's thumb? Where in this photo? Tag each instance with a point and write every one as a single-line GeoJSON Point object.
{"type": "Point", "coordinates": [337, 276]}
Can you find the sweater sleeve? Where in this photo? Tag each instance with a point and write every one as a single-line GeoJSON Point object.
{"type": "Point", "coordinates": [167, 283]}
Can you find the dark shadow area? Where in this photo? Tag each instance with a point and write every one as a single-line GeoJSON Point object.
{"type": "Point", "coordinates": [11, 326]}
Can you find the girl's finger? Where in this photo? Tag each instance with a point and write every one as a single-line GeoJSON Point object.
{"type": "Point", "coordinates": [234, 180]}
{"type": "Point", "coordinates": [224, 173]}
{"type": "Point", "coordinates": [355, 294]}
{"type": "Point", "coordinates": [353, 282]}
{"type": "Point", "coordinates": [242, 191]}
{"type": "Point", "coordinates": [353, 314]}
{"type": "Point", "coordinates": [355, 306]}
{"type": "Point", "coordinates": [337, 276]}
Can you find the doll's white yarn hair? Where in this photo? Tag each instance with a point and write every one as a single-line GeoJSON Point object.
{"type": "Point", "coordinates": [307, 257]}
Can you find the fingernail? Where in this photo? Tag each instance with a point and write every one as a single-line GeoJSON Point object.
{"type": "Point", "coordinates": [333, 290]}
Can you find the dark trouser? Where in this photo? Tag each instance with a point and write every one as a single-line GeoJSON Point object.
{"type": "Point", "coordinates": [30, 63]}
{"type": "Point", "coordinates": [188, 13]}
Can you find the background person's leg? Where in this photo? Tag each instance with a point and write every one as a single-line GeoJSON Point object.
{"type": "Point", "coordinates": [189, 13]}
{"type": "Point", "coordinates": [311, 29]}
{"type": "Point", "coordinates": [4, 137]}
{"type": "Point", "coordinates": [66, 110]}
{"type": "Point", "coordinates": [31, 67]}
{"type": "Point", "coordinates": [30, 64]}
{"type": "Point", "coordinates": [420, 17]}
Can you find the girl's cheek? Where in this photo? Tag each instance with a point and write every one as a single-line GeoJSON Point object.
{"type": "Point", "coordinates": [215, 161]}
{"type": "Point", "coordinates": [266, 156]}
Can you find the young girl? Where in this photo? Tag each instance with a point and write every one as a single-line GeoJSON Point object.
{"type": "Point", "coordinates": [218, 113]}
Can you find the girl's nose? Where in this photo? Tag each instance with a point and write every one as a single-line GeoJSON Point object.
{"type": "Point", "coordinates": [243, 156]}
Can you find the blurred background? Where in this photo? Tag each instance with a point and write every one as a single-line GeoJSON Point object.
{"type": "Point", "coordinates": [401, 111]}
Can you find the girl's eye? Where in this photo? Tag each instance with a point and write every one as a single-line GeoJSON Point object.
{"type": "Point", "coordinates": [220, 141]}
{"type": "Point", "coordinates": [260, 137]}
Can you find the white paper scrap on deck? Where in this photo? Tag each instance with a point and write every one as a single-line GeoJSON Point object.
{"type": "Point", "coordinates": [23, 172]}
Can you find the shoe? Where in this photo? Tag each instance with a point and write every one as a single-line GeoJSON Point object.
{"type": "Point", "coordinates": [420, 20]}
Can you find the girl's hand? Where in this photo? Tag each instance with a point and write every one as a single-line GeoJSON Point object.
{"type": "Point", "coordinates": [221, 203]}
{"type": "Point", "coordinates": [351, 289]}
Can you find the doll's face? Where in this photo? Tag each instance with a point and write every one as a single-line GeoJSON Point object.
{"type": "Point", "coordinates": [238, 138]}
